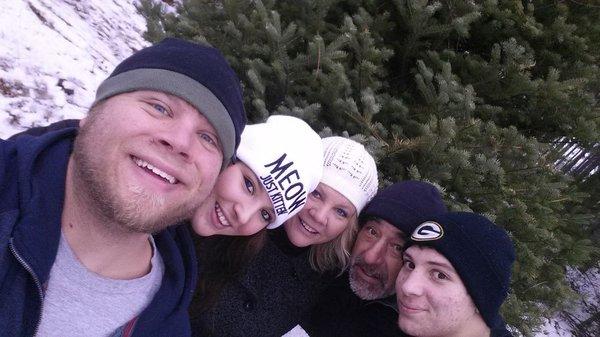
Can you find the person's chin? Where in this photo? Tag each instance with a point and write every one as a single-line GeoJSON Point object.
{"type": "Point", "coordinates": [410, 325]}
{"type": "Point", "coordinates": [298, 240]}
{"type": "Point", "coordinates": [203, 230]}
{"type": "Point", "coordinates": [203, 226]}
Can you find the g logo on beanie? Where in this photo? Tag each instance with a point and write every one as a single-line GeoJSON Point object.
{"type": "Point", "coordinates": [428, 231]}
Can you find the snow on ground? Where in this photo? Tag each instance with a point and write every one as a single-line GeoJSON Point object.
{"type": "Point", "coordinates": [54, 54]}
{"type": "Point", "coordinates": [588, 285]}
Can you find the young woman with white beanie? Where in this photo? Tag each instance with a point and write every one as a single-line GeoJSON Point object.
{"type": "Point", "coordinates": [278, 164]}
{"type": "Point", "coordinates": [281, 276]}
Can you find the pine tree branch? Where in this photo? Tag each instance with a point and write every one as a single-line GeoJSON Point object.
{"type": "Point", "coordinates": [537, 284]}
{"type": "Point", "coordinates": [318, 60]}
{"type": "Point", "coordinates": [583, 4]}
{"type": "Point", "coordinates": [526, 169]}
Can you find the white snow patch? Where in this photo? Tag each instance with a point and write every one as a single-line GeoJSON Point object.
{"type": "Point", "coordinates": [588, 286]}
{"type": "Point", "coordinates": [54, 54]}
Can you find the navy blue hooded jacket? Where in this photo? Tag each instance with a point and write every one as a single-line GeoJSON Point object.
{"type": "Point", "coordinates": [32, 187]}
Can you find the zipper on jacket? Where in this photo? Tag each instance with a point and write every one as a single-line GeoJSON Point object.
{"type": "Point", "coordinates": [35, 279]}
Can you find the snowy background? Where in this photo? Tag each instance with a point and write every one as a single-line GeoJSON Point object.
{"type": "Point", "coordinates": [54, 54]}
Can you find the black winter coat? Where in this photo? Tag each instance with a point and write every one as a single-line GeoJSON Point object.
{"type": "Point", "coordinates": [340, 313]}
{"type": "Point", "coordinates": [276, 289]}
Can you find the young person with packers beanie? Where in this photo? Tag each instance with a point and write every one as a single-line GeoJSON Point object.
{"type": "Point", "coordinates": [86, 213]}
{"type": "Point", "coordinates": [455, 276]}
{"type": "Point", "coordinates": [280, 282]}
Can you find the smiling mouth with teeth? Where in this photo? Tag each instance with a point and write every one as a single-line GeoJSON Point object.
{"type": "Point", "coordinates": [151, 168]}
{"type": "Point", "coordinates": [222, 219]}
{"type": "Point", "coordinates": [308, 228]}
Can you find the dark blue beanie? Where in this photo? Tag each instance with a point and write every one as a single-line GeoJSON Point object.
{"type": "Point", "coordinates": [405, 204]}
{"type": "Point", "coordinates": [198, 74]}
{"type": "Point", "coordinates": [481, 252]}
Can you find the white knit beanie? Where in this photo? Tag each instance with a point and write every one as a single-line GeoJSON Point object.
{"type": "Point", "coordinates": [286, 155]}
{"type": "Point", "coordinates": [349, 169]}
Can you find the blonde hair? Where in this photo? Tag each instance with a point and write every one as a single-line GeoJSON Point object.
{"type": "Point", "coordinates": [334, 254]}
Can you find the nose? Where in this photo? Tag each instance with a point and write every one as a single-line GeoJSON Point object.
{"type": "Point", "coordinates": [408, 282]}
{"type": "Point", "coordinates": [375, 254]}
{"type": "Point", "coordinates": [245, 210]}
{"type": "Point", "coordinates": [179, 137]}
{"type": "Point", "coordinates": [319, 214]}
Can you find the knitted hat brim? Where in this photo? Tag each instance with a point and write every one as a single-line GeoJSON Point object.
{"type": "Point", "coordinates": [179, 85]}
{"type": "Point", "coordinates": [343, 185]}
{"type": "Point", "coordinates": [396, 212]}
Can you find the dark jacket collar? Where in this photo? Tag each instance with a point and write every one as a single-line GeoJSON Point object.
{"type": "Point", "coordinates": [42, 166]}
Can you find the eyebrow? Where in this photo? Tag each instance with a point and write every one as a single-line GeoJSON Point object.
{"type": "Point", "coordinates": [254, 177]}
{"type": "Point", "coordinates": [152, 94]}
{"type": "Point", "coordinates": [348, 207]}
{"type": "Point", "coordinates": [442, 264]}
{"type": "Point", "coordinates": [434, 263]}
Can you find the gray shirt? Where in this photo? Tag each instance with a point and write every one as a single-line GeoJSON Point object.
{"type": "Point", "coordinates": [78, 302]}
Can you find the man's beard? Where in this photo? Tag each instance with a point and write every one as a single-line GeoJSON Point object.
{"type": "Point", "coordinates": [140, 212]}
{"type": "Point", "coordinates": [365, 290]}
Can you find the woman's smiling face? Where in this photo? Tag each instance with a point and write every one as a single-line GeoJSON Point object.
{"type": "Point", "coordinates": [238, 205]}
{"type": "Point", "coordinates": [326, 215]}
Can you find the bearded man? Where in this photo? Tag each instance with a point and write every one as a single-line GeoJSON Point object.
{"type": "Point", "coordinates": [86, 247]}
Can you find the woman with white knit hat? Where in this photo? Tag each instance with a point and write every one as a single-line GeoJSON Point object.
{"type": "Point", "coordinates": [328, 223]}
{"type": "Point", "coordinates": [280, 282]}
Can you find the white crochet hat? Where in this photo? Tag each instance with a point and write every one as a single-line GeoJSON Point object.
{"type": "Point", "coordinates": [349, 169]}
{"type": "Point", "coordinates": [286, 155]}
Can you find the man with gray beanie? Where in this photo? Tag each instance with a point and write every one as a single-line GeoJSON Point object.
{"type": "Point", "coordinates": [455, 276]}
{"type": "Point", "coordinates": [86, 247]}
{"type": "Point", "coordinates": [362, 302]}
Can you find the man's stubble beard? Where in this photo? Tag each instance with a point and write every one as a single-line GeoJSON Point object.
{"type": "Point", "coordinates": [133, 214]}
{"type": "Point", "coordinates": [364, 290]}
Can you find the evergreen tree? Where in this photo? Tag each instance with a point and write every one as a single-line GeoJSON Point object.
{"type": "Point", "coordinates": [466, 95]}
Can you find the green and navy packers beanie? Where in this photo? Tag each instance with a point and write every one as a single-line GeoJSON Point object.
{"type": "Point", "coordinates": [286, 155]}
{"type": "Point", "coordinates": [198, 74]}
{"type": "Point", "coordinates": [481, 252]}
